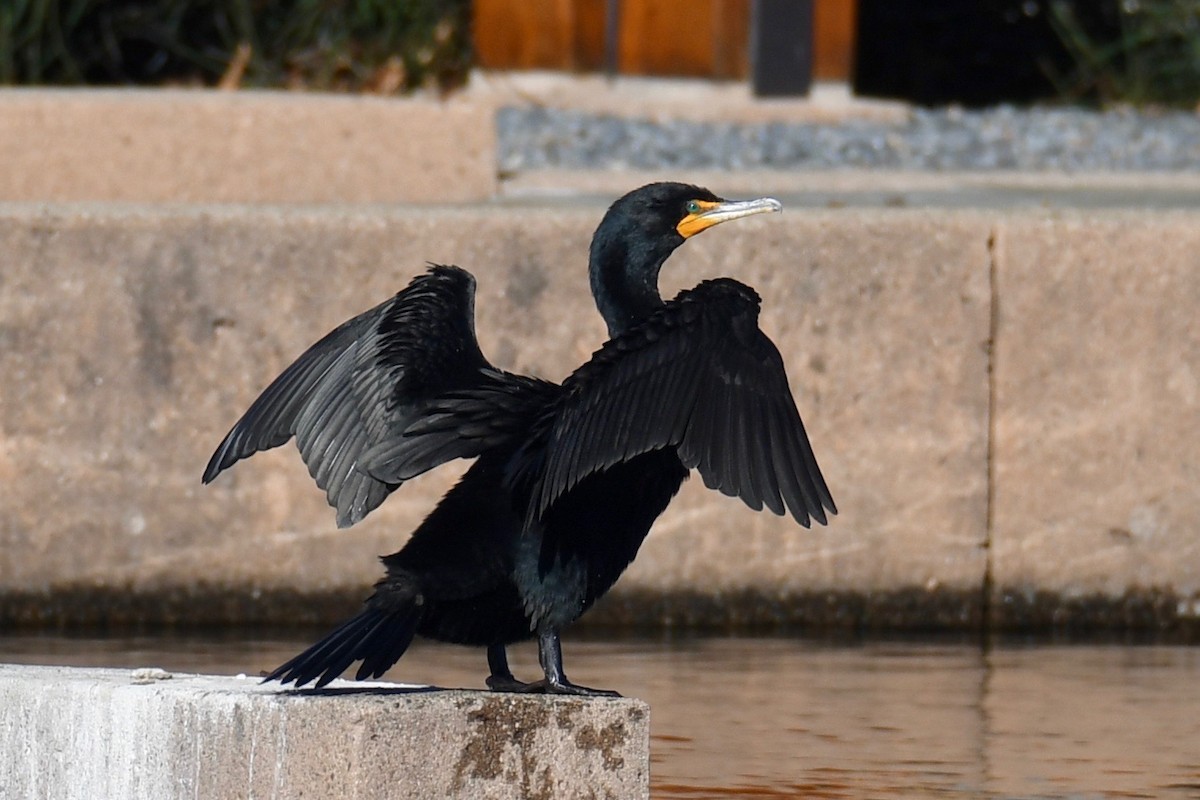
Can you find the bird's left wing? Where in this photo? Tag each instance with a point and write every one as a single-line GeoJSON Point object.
{"type": "Point", "coordinates": [697, 375]}
{"type": "Point", "coordinates": [356, 389]}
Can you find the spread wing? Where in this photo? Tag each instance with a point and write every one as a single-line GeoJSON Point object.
{"type": "Point", "coordinates": [698, 375]}
{"type": "Point", "coordinates": [362, 385]}
{"type": "Point", "coordinates": [462, 423]}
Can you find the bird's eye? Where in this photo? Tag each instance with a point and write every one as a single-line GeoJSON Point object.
{"type": "Point", "coordinates": [693, 207]}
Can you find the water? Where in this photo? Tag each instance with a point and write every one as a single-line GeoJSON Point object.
{"type": "Point", "coordinates": [777, 717]}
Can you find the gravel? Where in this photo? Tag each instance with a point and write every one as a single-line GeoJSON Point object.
{"type": "Point", "coordinates": [1002, 138]}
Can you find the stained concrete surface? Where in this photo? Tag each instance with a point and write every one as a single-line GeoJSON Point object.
{"type": "Point", "coordinates": [68, 733]}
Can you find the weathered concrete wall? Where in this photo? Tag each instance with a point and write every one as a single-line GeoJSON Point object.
{"type": "Point", "coordinates": [1097, 424]}
{"type": "Point", "coordinates": [242, 147]}
{"type": "Point", "coordinates": [69, 733]}
{"type": "Point", "coordinates": [134, 340]}
{"type": "Point", "coordinates": [131, 339]}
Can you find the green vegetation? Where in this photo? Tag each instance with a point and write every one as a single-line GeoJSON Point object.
{"type": "Point", "coordinates": [1147, 52]}
{"type": "Point", "coordinates": [1142, 52]}
{"type": "Point", "coordinates": [357, 45]}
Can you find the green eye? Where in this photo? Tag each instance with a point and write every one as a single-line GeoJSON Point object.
{"type": "Point", "coordinates": [693, 207]}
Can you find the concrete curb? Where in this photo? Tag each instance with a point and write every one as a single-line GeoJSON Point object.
{"type": "Point", "coordinates": [692, 99]}
{"type": "Point", "coordinates": [997, 191]}
{"type": "Point", "coordinates": [68, 733]}
{"type": "Point", "coordinates": [1004, 404]}
{"type": "Point", "coordinates": [177, 146]}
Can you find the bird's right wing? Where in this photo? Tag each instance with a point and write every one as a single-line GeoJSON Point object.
{"type": "Point", "coordinates": [699, 376]}
{"type": "Point", "coordinates": [361, 385]}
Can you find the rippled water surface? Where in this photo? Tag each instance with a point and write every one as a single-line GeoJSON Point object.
{"type": "Point", "coordinates": [774, 718]}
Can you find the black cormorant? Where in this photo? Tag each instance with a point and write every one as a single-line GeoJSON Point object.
{"type": "Point", "coordinates": [567, 479]}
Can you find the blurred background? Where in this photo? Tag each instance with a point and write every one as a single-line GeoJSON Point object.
{"type": "Point", "coordinates": [985, 286]}
{"type": "Point", "coordinates": [976, 54]}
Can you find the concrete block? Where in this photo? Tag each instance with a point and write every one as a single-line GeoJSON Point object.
{"type": "Point", "coordinates": [1097, 418]}
{"type": "Point", "coordinates": [134, 338]}
{"type": "Point", "coordinates": [196, 146]}
{"type": "Point", "coordinates": [68, 733]}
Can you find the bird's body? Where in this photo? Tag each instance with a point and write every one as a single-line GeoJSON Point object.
{"type": "Point", "coordinates": [567, 479]}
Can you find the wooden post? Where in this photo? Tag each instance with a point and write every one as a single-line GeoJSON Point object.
{"type": "Point", "coordinates": [531, 34]}
{"type": "Point", "coordinates": [834, 35]}
{"type": "Point", "coordinates": [711, 38]}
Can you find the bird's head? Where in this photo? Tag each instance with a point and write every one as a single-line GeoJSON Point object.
{"type": "Point", "coordinates": [640, 231]}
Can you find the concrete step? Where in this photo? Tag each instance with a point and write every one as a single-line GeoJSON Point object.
{"type": "Point", "coordinates": [178, 146]}
{"type": "Point", "coordinates": [1002, 400]}
{"type": "Point", "coordinates": [79, 734]}
{"type": "Point", "coordinates": [998, 191]}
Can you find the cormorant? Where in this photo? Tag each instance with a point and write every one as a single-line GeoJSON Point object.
{"type": "Point", "coordinates": [568, 478]}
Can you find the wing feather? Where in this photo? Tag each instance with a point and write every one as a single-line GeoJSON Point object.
{"type": "Point", "coordinates": [763, 469]}
{"type": "Point", "coordinates": [497, 411]}
{"type": "Point", "coordinates": [270, 420]}
{"type": "Point", "coordinates": [361, 386]}
{"type": "Point", "coordinates": [793, 495]}
{"type": "Point", "coordinates": [739, 468]}
{"type": "Point", "coordinates": [699, 376]}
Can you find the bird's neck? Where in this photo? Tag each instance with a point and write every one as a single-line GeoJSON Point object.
{"type": "Point", "coordinates": [624, 282]}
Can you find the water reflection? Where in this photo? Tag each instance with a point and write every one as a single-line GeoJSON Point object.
{"type": "Point", "coordinates": [775, 718]}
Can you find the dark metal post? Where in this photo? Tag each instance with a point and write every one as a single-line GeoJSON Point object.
{"type": "Point", "coordinates": [781, 47]}
{"type": "Point", "coordinates": [612, 36]}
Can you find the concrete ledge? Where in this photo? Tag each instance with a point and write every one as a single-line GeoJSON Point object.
{"type": "Point", "coordinates": [999, 191]}
{"type": "Point", "coordinates": [199, 146]}
{"type": "Point", "coordinates": [70, 734]}
{"type": "Point", "coordinates": [1003, 403]}
{"type": "Point", "coordinates": [133, 338]}
{"type": "Point", "coordinates": [693, 99]}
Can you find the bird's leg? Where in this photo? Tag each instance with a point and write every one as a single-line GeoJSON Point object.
{"type": "Point", "coordinates": [550, 655]}
{"type": "Point", "coordinates": [501, 679]}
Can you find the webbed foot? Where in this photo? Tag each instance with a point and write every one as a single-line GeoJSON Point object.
{"type": "Point", "coordinates": [499, 684]}
{"type": "Point", "coordinates": [555, 682]}
{"type": "Point", "coordinates": [501, 679]}
{"type": "Point", "coordinates": [507, 683]}
{"type": "Point", "coordinates": [566, 687]}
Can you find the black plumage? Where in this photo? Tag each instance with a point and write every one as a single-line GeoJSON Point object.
{"type": "Point", "coordinates": [567, 479]}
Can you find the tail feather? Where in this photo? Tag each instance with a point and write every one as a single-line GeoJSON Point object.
{"type": "Point", "coordinates": [392, 645]}
{"type": "Point", "coordinates": [375, 636]}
